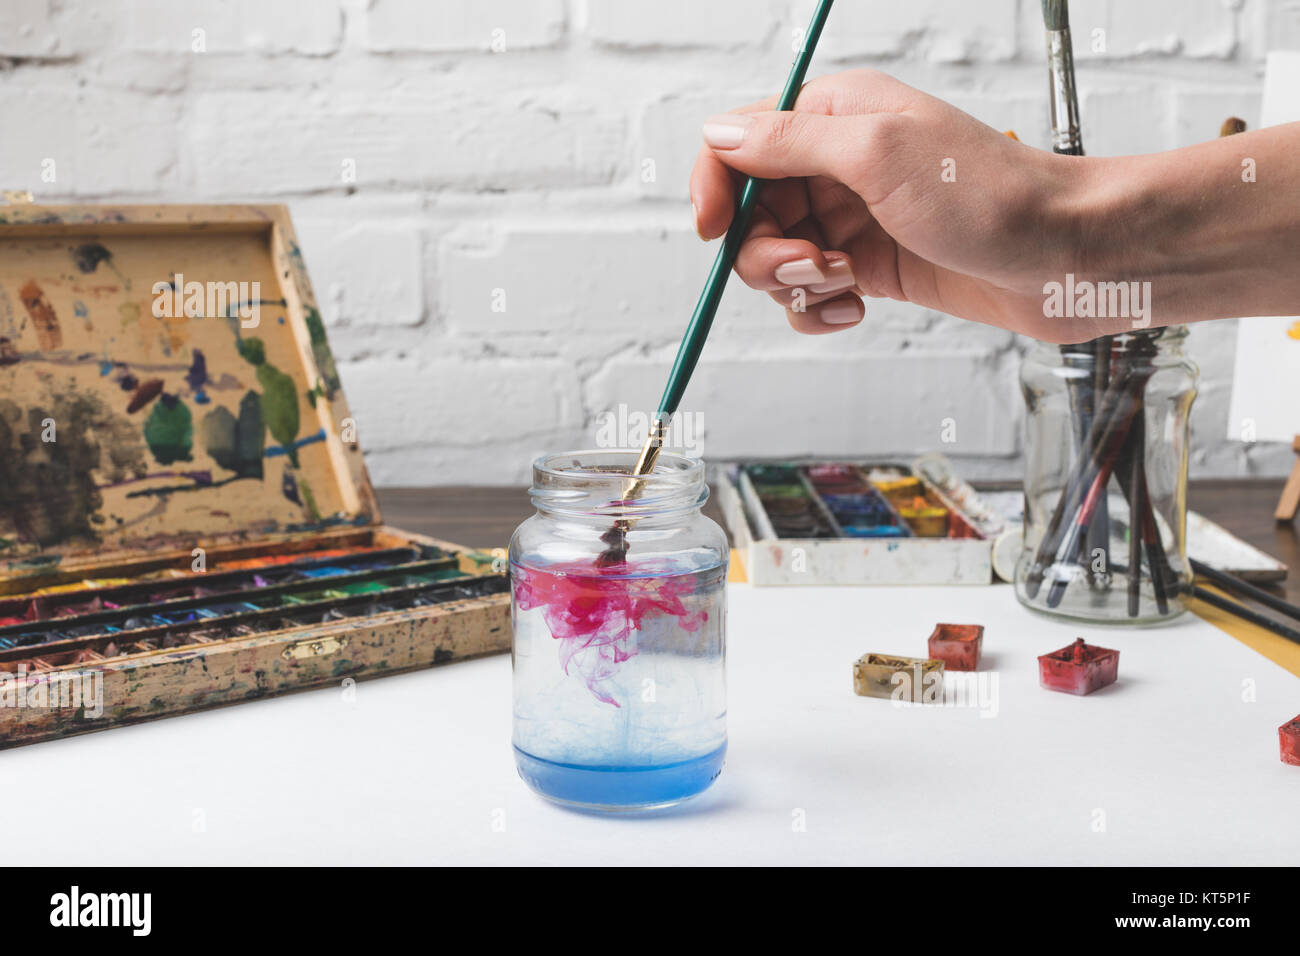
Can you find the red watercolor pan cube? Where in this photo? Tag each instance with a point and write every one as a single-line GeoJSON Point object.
{"type": "Point", "coordinates": [1078, 669]}
{"type": "Point", "coordinates": [1289, 734]}
{"type": "Point", "coordinates": [957, 645]}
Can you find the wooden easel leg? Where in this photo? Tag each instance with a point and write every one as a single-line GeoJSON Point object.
{"type": "Point", "coordinates": [1290, 500]}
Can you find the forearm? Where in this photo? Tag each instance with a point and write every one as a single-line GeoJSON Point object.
{"type": "Point", "coordinates": [1215, 228]}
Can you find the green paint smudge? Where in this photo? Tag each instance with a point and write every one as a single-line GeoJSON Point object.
{"type": "Point", "coordinates": [280, 408]}
{"type": "Point", "coordinates": [320, 350]}
{"type": "Point", "coordinates": [169, 432]}
{"type": "Point", "coordinates": [309, 499]}
{"type": "Point", "coordinates": [279, 396]}
{"type": "Point", "coordinates": [236, 444]}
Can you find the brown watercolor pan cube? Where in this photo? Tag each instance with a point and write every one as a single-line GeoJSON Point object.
{"type": "Point", "coordinates": [898, 678]}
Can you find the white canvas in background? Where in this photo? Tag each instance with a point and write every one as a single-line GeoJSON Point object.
{"type": "Point", "coordinates": [1175, 764]}
{"type": "Point", "coordinates": [1265, 402]}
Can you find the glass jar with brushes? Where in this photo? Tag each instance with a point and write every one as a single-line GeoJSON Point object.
{"type": "Point", "coordinates": [1106, 443]}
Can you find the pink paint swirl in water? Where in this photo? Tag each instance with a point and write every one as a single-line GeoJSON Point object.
{"type": "Point", "coordinates": [594, 611]}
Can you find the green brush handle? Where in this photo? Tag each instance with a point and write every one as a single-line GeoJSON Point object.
{"type": "Point", "coordinates": [688, 354]}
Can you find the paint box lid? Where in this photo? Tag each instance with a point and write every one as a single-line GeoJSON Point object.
{"type": "Point", "coordinates": [165, 382]}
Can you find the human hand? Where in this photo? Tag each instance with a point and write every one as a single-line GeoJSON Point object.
{"type": "Point", "coordinates": [879, 190]}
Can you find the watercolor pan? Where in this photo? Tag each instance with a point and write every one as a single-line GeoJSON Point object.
{"type": "Point", "coordinates": [1288, 736]}
{"type": "Point", "coordinates": [828, 523]}
{"type": "Point", "coordinates": [185, 611]}
{"type": "Point", "coordinates": [197, 538]}
{"type": "Point", "coordinates": [957, 645]}
{"type": "Point", "coordinates": [912, 679]}
{"type": "Point", "coordinates": [153, 635]}
{"type": "Point", "coordinates": [209, 583]}
{"type": "Point", "coordinates": [1078, 669]}
{"type": "Point", "coordinates": [924, 513]}
{"type": "Point", "coordinates": [176, 609]}
{"type": "Point", "coordinates": [857, 509]}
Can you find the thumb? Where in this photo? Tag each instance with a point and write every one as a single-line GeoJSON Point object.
{"type": "Point", "coordinates": [779, 145]}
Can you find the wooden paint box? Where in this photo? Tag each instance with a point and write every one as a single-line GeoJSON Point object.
{"type": "Point", "coordinates": [830, 523]}
{"type": "Point", "coordinates": [172, 423]}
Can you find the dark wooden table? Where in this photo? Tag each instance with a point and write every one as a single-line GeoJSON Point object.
{"type": "Point", "coordinates": [486, 517]}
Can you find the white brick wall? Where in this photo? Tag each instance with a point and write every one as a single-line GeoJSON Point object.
{"type": "Point", "coordinates": [541, 148]}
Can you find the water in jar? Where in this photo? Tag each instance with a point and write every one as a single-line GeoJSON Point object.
{"type": "Point", "coordinates": [619, 692]}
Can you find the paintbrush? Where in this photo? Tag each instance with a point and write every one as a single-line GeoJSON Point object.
{"type": "Point", "coordinates": [688, 353]}
{"type": "Point", "coordinates": [1106, 453]}
{"type": "Point", "coordinates": [1246, 614]}
{"type": "Point", "coordinates": [1231, 583]}
{"type": "Point", "coordinates": [1067, 139]}
{"type": "Point", "coordinates": [1143, 530]}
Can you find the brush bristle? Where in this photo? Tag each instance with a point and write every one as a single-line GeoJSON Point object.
{"type": "Point", "coordinates": [1056, 14]}
{"type": "Point", "coordinates": [616, 553]}
{"type": "Point", "coordinates": [1232, 125]}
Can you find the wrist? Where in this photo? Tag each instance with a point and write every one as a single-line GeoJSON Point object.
{"type": "Point", "coordinates": [1129, 238]}
{"type": "Point", "coordinates": [1211, 242]}
{"type": "Point", "coordinates": [1105, 205]}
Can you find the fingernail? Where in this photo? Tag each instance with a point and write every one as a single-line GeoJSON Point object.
{"type": "Point", "coordinates": [799, 272]}
{"type": "Point", "coordinates": [726, 130]}
{"type": "Point", "coordinates": [695, 216]}
{"type": "Point", "coordinates": [839, 276]}
{"type": "Point", "coordinates": [840, 313]}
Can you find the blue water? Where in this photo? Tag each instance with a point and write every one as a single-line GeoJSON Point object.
{"type": "Point", "coordinates": [620, 787]}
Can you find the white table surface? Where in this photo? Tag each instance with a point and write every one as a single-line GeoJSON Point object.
{"type": "Point", "coordinates": [1169, 766]}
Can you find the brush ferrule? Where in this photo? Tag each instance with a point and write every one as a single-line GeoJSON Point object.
{"type": "Point", "coordinates": [645, 463]}
{"type": "Point", "coordinates": [1066, 135]}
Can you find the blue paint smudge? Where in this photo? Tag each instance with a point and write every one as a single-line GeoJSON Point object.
{"type": "Point", "coordinates": [274, 450]}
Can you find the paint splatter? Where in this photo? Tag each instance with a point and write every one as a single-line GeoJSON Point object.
{"type": "Point", "coordinates": [309, 499]}
{"type": "Point", "coordinates": [1294, 330]}
{"type": "Point", "coordinates": [197, 377]}
{"type": "Point", "coordinates": [128, 312]}
{"type": "Point", "coordinates": [44, 321]}
{"type": "Point", "coordinates": [279, 397]}
{"type": "Point", "coordinates": [220, 436]}
{"type": "Point", "coordinates": [169, 430]}
{"type": "Point", "coordinates": [236, 443]}
{"type": "Point", "coordinates": [7, 325]}
{"type": "Point", "coordinates": [320, 350]}
{"type": "Point", "coordinates": [89, 255]}
{"type": "Point", "coordinates": [317, 436]}
{"type": "Point", "coordinates": [594, 612]}
{"type": "Point", "coordinates": [252, 435]}
{"type": "Point", "coordinates": [145, 393]}
{"type": "Point", "coordinates": [47, 488]}
{"type": "Point", "coordinates": [289, 487]}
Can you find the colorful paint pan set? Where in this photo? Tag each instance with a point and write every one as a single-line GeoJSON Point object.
{"type": "Point", "coordinates": [828, 522]}
{"type": "Point", "coordinates": [185, 515]}
{"type": "Point", "coordinates": [215, 606]}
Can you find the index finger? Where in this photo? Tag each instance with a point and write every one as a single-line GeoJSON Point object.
{"type": "Point", "coordinates": [714, 186]}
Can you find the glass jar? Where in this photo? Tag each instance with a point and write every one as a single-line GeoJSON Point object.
{"type": "Point", "coordinates": [1105, 533]}
{"type": "Point", "coordinates": [619, 688]}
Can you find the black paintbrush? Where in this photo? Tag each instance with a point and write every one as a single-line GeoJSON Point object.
{"type": "Point", "coordinates": [1231, 583]}
{"type": "Point", "coordinates": [1246, 614]}
{"type": "Point", "coordinates": [1067, 139]}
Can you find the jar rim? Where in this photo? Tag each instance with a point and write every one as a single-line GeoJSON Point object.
{"type": "Point", "coordinates": [1166, 335]}
{"type": "Point", "coordinates": [595, 482]}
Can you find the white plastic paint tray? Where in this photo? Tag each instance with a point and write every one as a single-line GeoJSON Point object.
{"type": "Point", "coordinates": [769, 559]}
